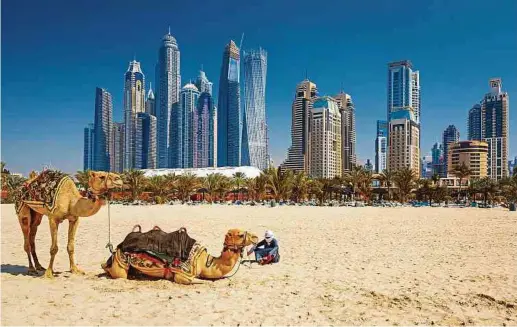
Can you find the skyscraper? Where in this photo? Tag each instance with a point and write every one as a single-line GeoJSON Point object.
{"type": "Point", "coordinates": [203, 84]}
{"type": "Point", "coordinates": [229, 118]}
{"type": "Point", "coordinates": [426, 166]}
{"type": "Point", "coordinates": [89, 139]}
{"type": "Point", "coordinates": [348, 132]}
{"type": "Point", "coordinates": [181, 143]}
{"type": "Point", "coordinates": [368, 165]}
{"type": "Point", "coordinates": [474, 154]}
{"type": "Point", "coordinates": [102, 126]}
{"type": "Point", "coordinates": [150, 102]}
{"type": "Point", "coordinates": [254, 130]}
{"type": "Point", "coordinates": [117, 140]}
{"type": "Point", "coordinates": [168, 83]}
{"type": "Point", "coordinates": [403, 116]}
{"type": "Point", "coordinates": [494, 129]}
{"type": "Point", "coordinates": [298, 152]}
{"type": "Point", "coordinates": [437, 160]}
{"type": "Point", "coordinates": [450, 136]}
{"type": "Point", "coordinates": [381, 146]}
{"type": "Point", "coordinates": [474, 123]}
{"type": "Point", "coordinates": [134, 93]}
{"type": "Point", "coordinates": [325, 139]}
{"type": "Point", "coordinates": [203, 136]}
{"type": "Point", "coordinates": [145, 137]}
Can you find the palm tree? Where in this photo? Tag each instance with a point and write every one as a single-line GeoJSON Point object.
{"type": "Point", "coordinates": [354, 178]}
{"type": "Point", "coordinates": [365, 186]}
{"type": "Point", "coordinates": [280, 182]}
{"type": "Point", "coordinates": [404, 179]}
{"type": "Point", "coordinates": [508, 187]}
{"type": "Point", "coordinates": [261, 184]}
{"type": "Point", "coordinates": [225, 185]}
{"type": "Point", "coordinates": [12, 183]}
{"type": "Point", "coordinates": [157, 185]}
{"type": "Point", "coordinates": [251, 186]}
{"type": "Point", "coordinates": [238, 180]}
{"type": "Point", "coordinates": [316, 189]}
{"type": "Point", "coordinates": [211, 183]}
{"type": "Point", "coordinates": [474, 187]}
{"type": "Point", "coordinates": [425, 189]}
{"type": "Point", "coordinates": [187, 184]}
{"type": "Point", "coordinates": [387, 177]}
{"type": "Point", "coordinates": [171, 181]}
{"type": "Point", "coordinates": [135, 180]}
{"type": "Point", "coordinates": [461, 172]}
{"type": "Point", "coordinates": [488, 187]}
{"type": "Point", "coordinates": [82, 177]}
{"type": "Point", "coordinates": [435, 178]}
{"type": "Point", "coordinates": [5, 174]}
{"type": "Point", "coordinates": [300, 186]}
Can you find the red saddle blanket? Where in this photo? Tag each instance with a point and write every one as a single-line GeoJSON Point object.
{"type": "Point", "coordinates": [43, 189]}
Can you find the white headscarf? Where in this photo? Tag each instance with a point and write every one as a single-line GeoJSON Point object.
{"type": "Point", "coordinates": [269, 234]}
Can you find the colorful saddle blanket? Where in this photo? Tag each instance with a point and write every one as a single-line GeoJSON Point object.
{"type": "Point", "coordinates": [158, 254]}
{"type": "Point", "coordinates": [41, 190]}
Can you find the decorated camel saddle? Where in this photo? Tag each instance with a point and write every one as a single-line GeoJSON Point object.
{"type": "Point", "coordinates": [174, 256]}
{"type": "Point", "coordinates": [41, 190]}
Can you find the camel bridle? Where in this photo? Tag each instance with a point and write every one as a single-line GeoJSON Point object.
{"type": "Point", "coordinates": [236, 247]}
{"type": "Point", "coordinates": [93, 192]}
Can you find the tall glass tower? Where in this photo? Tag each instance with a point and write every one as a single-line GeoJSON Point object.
{"type": "Point", "coordinates": [229, 119]}
{"type": "Point", "coordinates": [451, 135]}
{"type": "Point", "coordinates": [474, 123]}
{"type": "Point", "coordinates": [145, 157]}
{"type": "Point", "coordinates": [102, 130]}
{"type": "Point", "coordinates": [403, 115]}
{"type": "Point", "coordinates": [134, 95]}
{"type": "Point", "coordinates": [88, 147]}
{"type": "Point", "coordinates": [168, 84]}
{"type": "Point", "coordinates": [254, 130]}
{"type": "Point", "coordinates": [181, 149]}
{"type": "Point", "coordinates": [203, 84]}
{"type": "Point", "coordinates": [381, 146]}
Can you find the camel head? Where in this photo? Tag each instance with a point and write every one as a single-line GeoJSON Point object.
{"type": "Point", "coordinates": [237, 239]}
{"type": "Point", "coordinates": [101, 181]}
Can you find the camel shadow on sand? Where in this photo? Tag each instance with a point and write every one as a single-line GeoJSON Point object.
{"type": "Point", "coordinates": [16, 270]}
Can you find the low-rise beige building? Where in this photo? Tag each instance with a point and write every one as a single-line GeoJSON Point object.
{"type": "Point", "coordinates": [474, 154]}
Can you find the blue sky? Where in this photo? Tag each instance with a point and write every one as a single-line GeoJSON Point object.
{"type": "Point", "coordinates": [54, 54]}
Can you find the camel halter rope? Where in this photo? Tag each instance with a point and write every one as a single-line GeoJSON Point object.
{"type": "Point", "coordinates": [236, 247]}
{"type": "Point", "coordinates": [108, 197]}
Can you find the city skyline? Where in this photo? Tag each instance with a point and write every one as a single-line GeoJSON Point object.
{"type": "Point", "coordinates": [446, 94]}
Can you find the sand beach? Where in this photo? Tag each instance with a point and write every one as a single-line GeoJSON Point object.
{"type": "Point", "coordinates": [339, 266]}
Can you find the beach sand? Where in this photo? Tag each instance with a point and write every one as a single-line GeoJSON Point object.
{"type": "Point", "coordinates": [339, 266]}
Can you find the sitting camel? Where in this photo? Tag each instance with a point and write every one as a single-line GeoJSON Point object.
{"type": "Point", "coordinates": [175, 256]}
{"type": "Point", "coordinates": [55, 195]}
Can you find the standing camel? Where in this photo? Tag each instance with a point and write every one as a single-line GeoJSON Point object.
{"type": "Point", "coordinates": [55, 195]}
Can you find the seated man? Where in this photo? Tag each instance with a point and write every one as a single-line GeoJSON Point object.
{"type": "Point", "coordinates": [266, 251]}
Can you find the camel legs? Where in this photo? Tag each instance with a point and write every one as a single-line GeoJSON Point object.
{"type": "Point", "coordinates": [35, 221]}
{"type": "Point", "coordinates": [24, 218]}
{"type": "Point", "coordinates": [73, 223]}
{"type": "Point", "coordinates": [49, 273]}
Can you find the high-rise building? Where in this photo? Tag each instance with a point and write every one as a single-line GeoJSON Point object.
{"type": "Point", "coordinates": [117, 140]}
{"type": "Point", "coordinates": [145, 137]}
{"type": "Point", "coordinates": [494, 129]}
{"type": "Point", "coordinates": [150, 102]}
{"type": "Point", "coordinates": [254, 130]}
{"type": "Point", "coordinates": [229, 117]}
{"type": "Point", "coordinates": [512, 165]}
{"type": "Point", "coordinates": [89, 139]}
{"type": "Point", "coordinates": [181, 143]}
{"type": "Point", "coordinates": [368, 166]}
{"type": "Point", "coordinates": [474, 123]}
{"type": "Point", "coordinates": [348, 132]}
{"type": "Point", "coordinates": [426, 166]}
{"type": "Point", "coordinates": [134, 103]}
{"type": "Point", "coordinates": [474, 154]}
{"type": "Point", "coordinates": [403, 116]}
{"type": "Point", "coordinates": [381, 146]}
{"type": "Point", "coordinates": [437, 159]}
{"type": "Point", "coordinates": [168, 83]}
{"type": "Point", "coordinates": [325, 139]}
{"type": "Point", "coordinates": [450, 135]}
{"type": "Point", "coordinates": [102, 126]}
{"type": "Point", "coordinates": [203, 132]}
{"type": "Point", "coordinates": [298, 153]}
{"type": "Point", "coordinates": [203, 84]}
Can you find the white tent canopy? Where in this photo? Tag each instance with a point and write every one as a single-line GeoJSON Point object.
{"type": "Point", "coordinates": [250, 172]}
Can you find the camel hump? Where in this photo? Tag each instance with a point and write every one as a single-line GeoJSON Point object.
{"type": "Point", "coordinates": [139, 228]}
